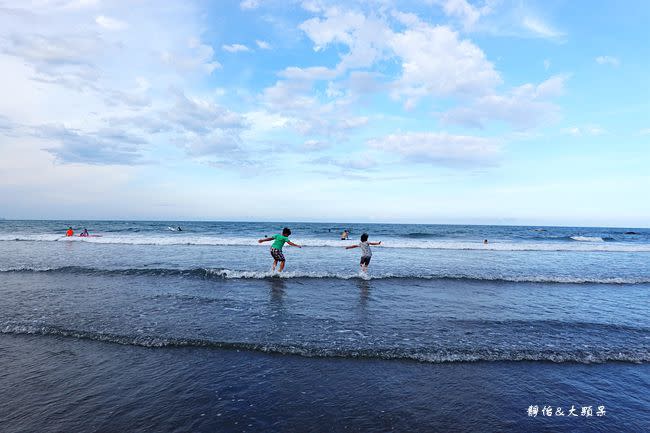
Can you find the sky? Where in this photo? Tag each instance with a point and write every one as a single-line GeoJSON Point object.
{"type": "Point", "coordinates": [432, 111]}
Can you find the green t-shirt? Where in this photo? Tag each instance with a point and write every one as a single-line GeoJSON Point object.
{"type": "Point", "coordinates": [279, 241]}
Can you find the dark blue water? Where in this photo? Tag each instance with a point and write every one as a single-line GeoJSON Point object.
{"type": "Point", "coordinates": [568, 306]}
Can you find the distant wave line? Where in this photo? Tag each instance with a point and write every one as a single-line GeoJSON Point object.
{"type": "Point", "coordinates": [403, 243]}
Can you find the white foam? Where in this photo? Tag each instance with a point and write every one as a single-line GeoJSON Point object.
{"type": "Point", "coordinates": [587, 239]}
{"type": "Point", "coordinates": [584, 243]}
{"type": "Point", "coordinates": [258, 275]}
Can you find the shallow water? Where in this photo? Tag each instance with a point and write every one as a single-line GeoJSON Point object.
{"type": "Point", "coordinates": [62, 384]}
{"type": "Point", "coordinates": [575, 310]}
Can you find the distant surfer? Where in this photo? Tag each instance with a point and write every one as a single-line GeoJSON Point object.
{"type": "Point", "coordinates": [345, 235]}
{"type": "Point", "coordinates": [485, 241]}
{"type": "Point", "coordinates": [276, 247]}
{"type": "Point", "coordinates": [366, 253]}
{"type": "Point", "coordinates": [179, 229]}
{"type": "Point", "coordinates": [70, 232]}
{"type": "Point", "coordinates": [85, 233]}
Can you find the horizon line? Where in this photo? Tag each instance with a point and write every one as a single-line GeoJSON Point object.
{"type": "Point", "coordinates": [325, 222]}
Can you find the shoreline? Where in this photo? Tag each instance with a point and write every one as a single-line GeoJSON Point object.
{"type": "Point", "coordinates": [91, 386]}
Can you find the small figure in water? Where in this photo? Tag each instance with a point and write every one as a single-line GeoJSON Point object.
{"type": "Point", "coordinates": [84, 234]}
{"type": "Point", "coordinates": [366, 254]}
{"type": "Point", "coordinates": [345, 235]}
{"type": "Point", "coordinates": [179, 229]}
{"type": "Point", "coordinates": [485, 241]}
{"type": "Point", "coordinates": [276, 247]}
{"type": "Point", "coordinates": [70, 232]}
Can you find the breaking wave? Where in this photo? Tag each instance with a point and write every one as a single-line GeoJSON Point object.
{"type": "Point", "coordinates": [410, 241]}
{"type": "Point", "coordinates": [587, 238]}
{"type": "Point", "coordinates": [229, 274]}
{"type": "Point", "coordinates": [427, 355]}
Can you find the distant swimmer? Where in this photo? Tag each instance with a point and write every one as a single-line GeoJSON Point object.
{"type": "Point", "coordinates": [84, 234]}
{"type": "Point", "coordinates": [485, 241]}
{"type": "Point", "coordinates": [70, 232]}
{"type": "Point", "coordinates": [178, 229]}
{"type": "Point", "coordinates": [276, 247]}
{"type": "Point", "coordinates": [366, 254]}
{"type": "Point", "coordinates": [345, 235]}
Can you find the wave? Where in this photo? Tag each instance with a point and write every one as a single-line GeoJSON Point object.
{"type": "Point", "coordinates": [427, 355]}
{"type": "Point", "coordinates": [229, 274]}
{"type": "Point", "coordinates": [419, 235]}
{"type": "Point", "coordinates": [583, 244]}
{"type": "Point", "coordinates": [587, 238]}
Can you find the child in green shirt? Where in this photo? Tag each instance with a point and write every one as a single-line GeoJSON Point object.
{"type": "Point", "coordinates": [276, 247]}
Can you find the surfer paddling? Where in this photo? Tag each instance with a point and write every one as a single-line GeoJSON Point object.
{"type": "Point", "coordinates": [276, 247]}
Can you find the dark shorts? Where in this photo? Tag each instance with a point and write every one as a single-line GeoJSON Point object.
{"type": "Point", "coordinates": [277, 254]}
{"type": "Point", "coordinates": [365, 260]}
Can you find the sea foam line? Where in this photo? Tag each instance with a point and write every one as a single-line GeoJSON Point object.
{"type": "Point", "coordinates": [434, 356]}
{"type": "Point", "coordinates": [230, 274]}
{"type": "Point", "coordinates": [575, 243]}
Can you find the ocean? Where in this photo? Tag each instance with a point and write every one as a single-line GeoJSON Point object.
{"type": "Point", "coordinates": [147, 328]}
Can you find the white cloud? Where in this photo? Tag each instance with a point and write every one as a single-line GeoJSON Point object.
{"type": "Point", "coordinates": [213, 143]}
{"type": "Point", "coordinates": [110, 23]}
{"type": "Point", "coordinates": [249, 4]}
{"type": "Point", "coordinates": [262, 123]}
{"type": "Point", "coordinates": [541, 29]}
{"type": "Point", "coordinates": [608, 60]}
{"type": "Point", "coordinates": [80, 4]}
{"type": "Point", "coordinates": [435, 62]}
{"type": "Point", "coordinates": [524, 107]}
{"type": "Point", "coordinates": [645, 131]}
{"type": "Point", "coordinates": [578, 131]}
{"type": "Point", "coordinates": [440, 148]}
{"type": "Point", "coordinates": [104, 147]}
{"type": "Point", "coordinates": [314, 6]}
{"type": "Point", "coordinates": [294, 98]}
{"type": "Point", "coordinates": [201, 116]}
{"type": "Point", "coordinates": [365, 37]}
{"type": "Point", "coordinates": [312, 73]}
{"type": "Point", "coordinates": [354, 122]}
{"type": "Point", "coordinates": [361, 162]}
{"type": "Point", "coordinates": [315, 145]}
{"type": "Point", "coordinates": [235, 48]}
{"type": "Point", "coordinates": [263, 45]}
{"type": "Point", "coordinates": [197, 56]}
{"type": "Point", "coordinates": [289, 96]}
{"type": "Point", "coordinates": [95, 94]}
{"type": "Point", "coordinates": [68, 59]}
{"type": "Point", "coordinates": [465, 12]}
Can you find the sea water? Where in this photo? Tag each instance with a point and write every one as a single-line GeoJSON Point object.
{"type": "Point", "coordinates": [435, 295]}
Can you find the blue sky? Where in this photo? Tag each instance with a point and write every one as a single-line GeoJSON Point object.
{"type": "Point", "coordinates": [433, 111]}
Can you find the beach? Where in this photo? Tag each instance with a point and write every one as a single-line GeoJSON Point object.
{"type": "Point", "coordinates": [150, 329]}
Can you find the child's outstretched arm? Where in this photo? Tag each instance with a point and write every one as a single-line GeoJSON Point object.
{"type": "Point", "coordinates": [265, 240]}
{"type": "Point", "coordinates": [293, 245]}
{"type": "Point", "coordinates": [374, 243]}
{"type": "Point", "coordinates": [352, 246]}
